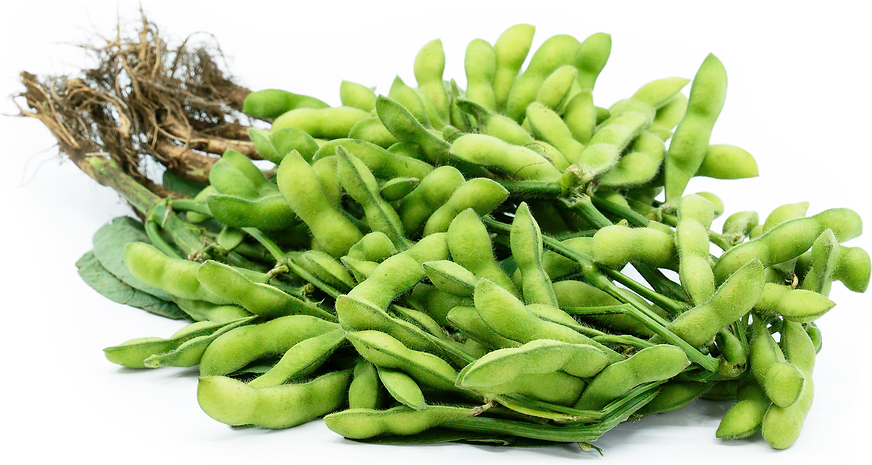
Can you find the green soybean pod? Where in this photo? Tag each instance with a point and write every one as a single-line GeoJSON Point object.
{"type": "Point", "coordinates": [782, 425]}
{"type": "Point", "coordinates": [357, 96]}
{"type": "Point", "coordinates": [384, 351]}
{"type": "Point", "coordinates": [580, 116]}
{"type": "Point", "coordinates": [668, 116]}
{"type": "Point", "coordinates": [481, 194]}
{"type": "Point", "coordinates": [656, 363]}
{"type": "Point", "coordinates": [783, 213]}
{"type": "Point", "coordinates": [428, 68]}
{"type": "Point", "coordinates": [402, 388]}
{"type": "Point", "coordinates": [268, 213]}
{"type": "Point", "coordinates": [381, 162]}
{"type": "Point", "coordinates": [176, 276]}
{"type": "Point", "coordinates": [326, 170]}
{"type": "Point", "coordinates": [674, 395]}
{"type": "Point", "coordinates": [471, 247]}
{"type": "Point", "coordinates": [691, 139]}
{"type": "Point", "coordinates": [500, 367]}
{"type": "Point", "coordinates": [731, 300]}
{"type": "Point", "coordinates": [616, 245]}
{"type": "Point", "coordinates": [332, 232]}
{"type": "Point", "coordinates": [510, 50]}
{"type": "Point", "coordinates": [191, 351]}
{"type": "Point", "coordinates": [406, 96]}
{"type": "Point", "coordinates": [132, 353]}
{"type": "Point", "coordinates": [555, 89]}
{"type": "Point", "coordinates": [235, 403]}
{"type": "Point", "coordinates": [724, 161]}
{"type": "Point", "coordinates": [555, 52]}
{"type": "Point", "coordinates": [360, 184]}
{"type": "Point", "coordinates": [518, 162]}
{"type": "Point", "coordinates": [229, 180]}
{"type": "Point", "coordinates": [365, 389]}
{"type": "Point", "coordinates": [782, 381]}
{"type": "Point", "coordinates": [372, 130]}
{"type": "Point", "coordinates": [659, 92]}
{"type": "Point", "coordinates": [745, 417]}
{"type": "Point", "coordinates": [240, 346]}
{"type": "Point", "coordinates": [432, 192]}
{"type": "Point", "coordinates": [450, 277]}
{"type": "Point", "coordinates": [435, 303]}
{"type": "Point", "coordinates": [258, 298]}
{"type": "Point", "coordinates": [324, 267]}
{"type": "Point", "coordinates": [301, 359]}
{"type": "Point", "coordinates": [506, 315]}
{"type": "Point", "coordinates": [375, 246]}
{"type": "Point", "coordinates": [606, 145]}
{"type": "Point", "coordinates": [324, 123]}
{"type": "Point", "coordinates": [799, 305]}
{"type": "Point", "coordinates": [640, 165]}
{"type": "Point", "coordinates": [547, 126]}
{"type": "Point", "coordinates": [695, 216]}
{"type": "Point", "coordinates": [480, 64]}
{"type": "Point", "coordinates": [467, 320]}
{"type": "Point", "coordinates": [526, 243]}
{"type": "Point", "coordinates": [271, 103]}
{"type": "Point", "coordinates": [593, 53]}
{"type": "Point", "coordinates": [359, 423]}
{"type": "Point", "coordinates": [789, 240]}
{"type": "Point", "coordinates": [406, 128]}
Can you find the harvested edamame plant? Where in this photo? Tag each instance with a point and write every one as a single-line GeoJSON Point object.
{"type": "Point", "coordinates": [434, 262]}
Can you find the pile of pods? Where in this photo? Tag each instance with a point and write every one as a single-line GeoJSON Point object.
{"type": "Point", "coordinates": [440, 264]}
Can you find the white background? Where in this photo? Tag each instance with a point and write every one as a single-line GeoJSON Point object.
{"type": "Point", "coordinates": [798, 99]}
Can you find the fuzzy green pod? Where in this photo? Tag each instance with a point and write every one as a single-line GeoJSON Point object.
{"type": "Point", "coordinates": [236, 403]}
{"type": "Point", "coordinates": [510, 50]}
{"type": "Point", "coordinates": [526, 242]}
{"type": "Point", "coordinates": [272, 103]}
{"type": "Point", "coordinates": [372, 130]}
{"type": "Point", "coordinates": [580, 116]}
{"type": "Point", "coordinates": [302, 359]}
{"type": "Point", "coordinates": [360, 184]}
{"type": "Point", "coordinates": [695, 216]}
{"type": "Point", "coordinates": [640, 165]}
{"type": "Point", "coordinates": [303, 191]}
{"type": "Point", "coordinates": [789, 240]}
{"type": "Point", "coordinates": [724, 161]}
{"type": "Point", "coordinates": [555, 89]}
{"type": "Point", "coordinates": [325, 123]}
{"type": "Point", "coordinates": [731, 300]}
{"type": "Point", "coordinates": [745, 417]}
{"type": "Point", "coordinates": [428, 68]}
{"type": "Point", "coordinates": [258, 298]}
{"type": "Point", "coordinates": [516, 161]}
{"type": "Point", "coordinates": [593, 53]}
{"type": "Point", "coordinates": [616, 245]}
{"type": "Point", "coordinates": [385, 351]}
{"type": "Point", "coordinates": [659, 92]}
{"type": "Point", "coordinates": [656, 363]}
{"type": "Point", "coordinates": [365, 390]}
{"type": "Point", "coordinates": [480, 64]}
{"type": "Point", "coordinates": [691, 139]}
{"type": "Point", "coordinates": [668, 116]}
{"type": "Point", "coordinates": [555, 52]}
{"type": "Point", "coordinates": [237, 348]}
{"type": "Point", "coordinates": [134, 352]}
{"type": "Point", "coordinates": [356, 96]}
{"type": "Point", "coordinates": [800, 305]}
{"type": "Point", "coordinates": [434, 190]}
{"type": "Point", "coordinates": [783, 382]}
{"type": "Point", "coordinates": [174, 275]}
{"type": "Point", "coordinates": [481, 194]}
{"type": "Point", "coordinates": [782, 425]}
{"type": "Point", "coordinates": [471, 247]}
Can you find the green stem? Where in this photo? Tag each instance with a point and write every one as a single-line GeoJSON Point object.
{"type": "Point", "coordinates": [187, 238]}
{"type": "Point", "coordinates": [584, 207]}
{"type": "Point", "coordinates": [620, 211]}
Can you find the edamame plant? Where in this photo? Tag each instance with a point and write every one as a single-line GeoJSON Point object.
{"type": "Point", "coordinates": [433, 263]}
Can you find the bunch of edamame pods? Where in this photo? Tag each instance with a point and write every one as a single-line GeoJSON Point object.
{"type": "Point", "coordinates": [507, 263]}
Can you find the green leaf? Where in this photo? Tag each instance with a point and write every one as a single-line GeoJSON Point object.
{"type": "Point", "coordinates": [104, 282]}
{"type": "Point", "coordinates": [109, 242]}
